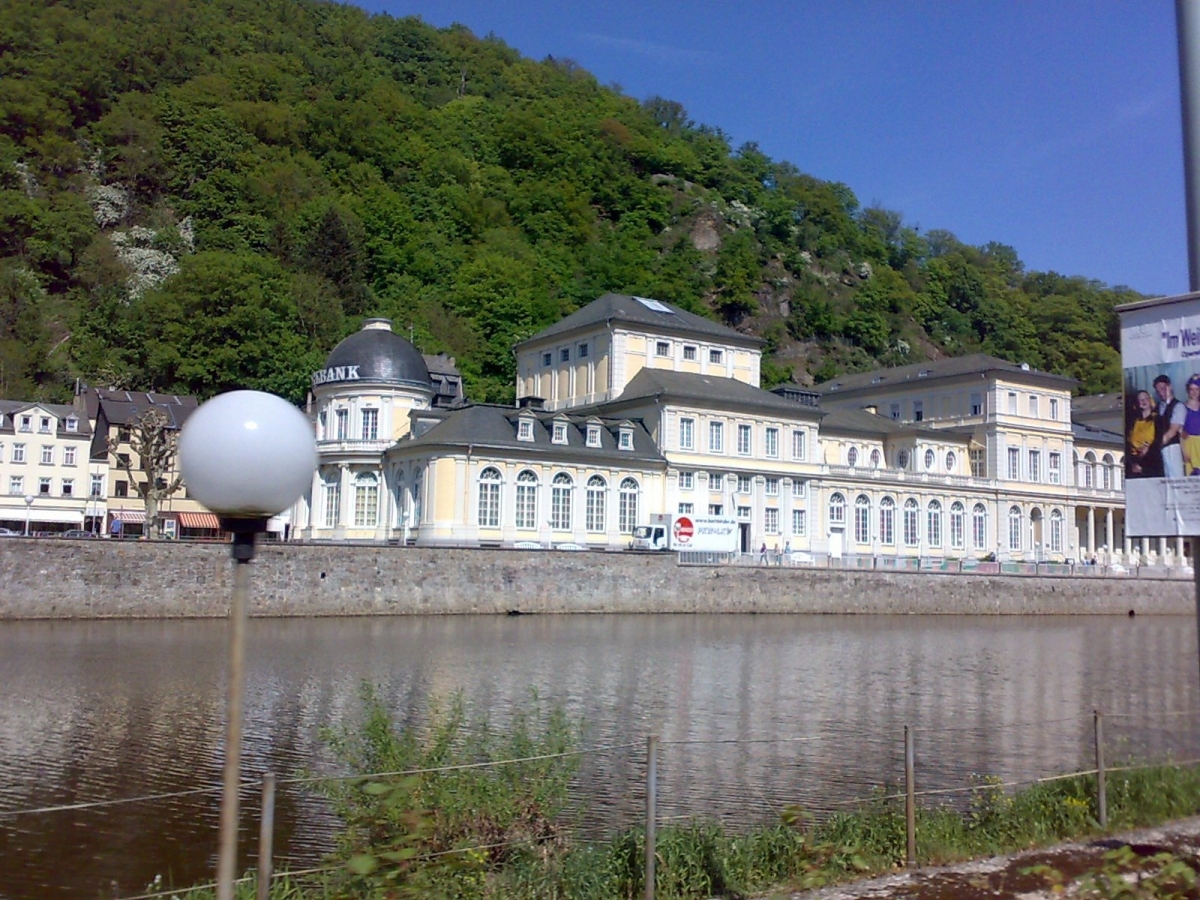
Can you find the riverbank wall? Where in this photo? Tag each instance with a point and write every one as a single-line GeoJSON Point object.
{"type": "Point", "coordinates": [65, 579]}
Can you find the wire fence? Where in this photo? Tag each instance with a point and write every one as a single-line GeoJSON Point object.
{"type": "Point", "coordinates": [652, 782]}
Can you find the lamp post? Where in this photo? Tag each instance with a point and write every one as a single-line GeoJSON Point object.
{"type": "Point", "coordinates": [28, 511]}
{"type": "Point", "coordinates": [246, 455]}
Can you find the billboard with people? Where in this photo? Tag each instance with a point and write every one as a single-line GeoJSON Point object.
{"type": "Point", "coordinates": [1160, 356]}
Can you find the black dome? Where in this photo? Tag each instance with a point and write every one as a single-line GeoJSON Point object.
{"type": "Point", "coordinates": [376, 354]}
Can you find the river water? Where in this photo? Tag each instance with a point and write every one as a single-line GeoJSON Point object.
{"type": "Point", "coordinates": [754, 712]}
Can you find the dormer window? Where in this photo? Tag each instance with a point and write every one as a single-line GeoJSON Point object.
{"type": "Point", "coordinates": [72, 423]}
{"type": "Point", "coordinates": [27, 423]}
{"type": "Point", "coordinates": [625, 439]}
{"type": "Point", "coordinates": [593, 435]}
{"type": "Point", "coordinates": [525, 430]}
{"type": "Point", "coordinates": [560, 433]}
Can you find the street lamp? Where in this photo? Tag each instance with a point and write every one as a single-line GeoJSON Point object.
{"type": "Point", "coordinates": [246, 455]}
{"type": "Point", "coordinates": [28, 511]}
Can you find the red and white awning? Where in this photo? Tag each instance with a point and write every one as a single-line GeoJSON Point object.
{"type": "Point", "coordinates": [199, 520]}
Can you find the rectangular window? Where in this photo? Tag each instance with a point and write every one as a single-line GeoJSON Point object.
{"type": "Point", "coordinates": [124, 434]}
{"type": "Point", "coordinates": [715, 509]}
{"type": "Point", "coordinates": [689, 352]}
{"type": "Point", "coordinates": [1034, 406]}
{"type": "Point", "coordinates": [593, 436]}
{"type": "Point", "coordinates": [1, 451]}
{"type": "Point", "coordinates": [977, 404]}
{"type": "Point", "coordinates": [862, 523]}
{"type": "Point", "coordinates": [771, 520]}
{"type": "Point", "coordinates": [743, 484]}
{"type": "Point", "coordinates": [716, 357]}
{"type": "Point", "coordinates": [1035, 465]}
{"type": "Point", "coordinates": [716, 482]}
{"type": "Point", "coordinates": [918, 411]}
{"type": "Point", "coordinates": [894, 411]}
{"type": "Point", "coordinates": [526, 502]}
{"type": "Point", "coordinates": [772, 442]}
{"type": "Point", "coordinates": [686, 481]}
{"type": "Point", "coordinates": [560, 433]}
{"type": "Point", "coordinates": [686, 509]}
{"type": "Point", "coordinates": [370, 424]}
{"type": "Point", "coordinates": [1055, 468]}
{"type": "Point", "coordinates": [560, 503]}
{"type": "Point", "coordinates": [18, 453]}
{"type": "Point", "coordinates": [564, 355]}
{"type": "Point", "coordinates": [595, 507]}
{"type": "Point", "coordinates": [1014, 464]}
{"type": "Point", "coordinates": [322, 434]}
{"type": "Point", "coordinates": [27, 423]}
{"type": "Point", "coordinates": [44, 487]}
{"type": "Point", "coordinates": [68, 456]}
{"type": "Point", "coordinates": [772, 487]}
{"type": "Point", "coordinates": [96, 488]}
{"type": "Point", "coordinates": [799, 444]}
{"type": "Point", "coordinates": [547, 358]}
{"type": "Point", "coordinates": [625, 439]}
{"type": "Point", "coordinates": [583, 351]}
{"type": "Point", "coordinates": [1012, 403]}
{"type": "Point", "coordinates": [687, 434]}
{"type": "Point", "coordinates": [489, 504]}
{"type": "Point", "coordinates": [912, 524]}
{"type": "Point", "coordinates": [72, 424]}
{"type": "Point", "coordinates": [366, 505]}
{"type": "Point", "coordinates": [333, 502]}
{"type": "Point", "coordinates": [743, 512]}
{"type": "Point", "coordinates": [525, 430]}
{"type": "Point", "coordinates": [342, 417]}
{"type": "Point", "coordinates": [1054, 408]}
{"type": "Point", "coordinates": [799, 487]}
{"type": "Point", "coordinates": [44, 425]}
{"type": "Point", "coordinates": [743, 445]}
{"type": "Point", "coordinates": [121, 488]}
{"type": "Point", "coordinates": [799, 521]}
{"type": "Point", "coordinates": [16, 484]}
{"type": "Point", "coordinates": [978, 464]}
{"type": "Point", "coordinates": [47, 455]}
{"type": "Point", "coordinates": [957, 526]}
{"type": "Point", "coordinates": [68, 487]}
{"type": "Point", "coordinates": [716, 437]}
{"type": "Point", "coordinates": [123, 460]}
{"type": "Point", "coordinates": [662, 348]}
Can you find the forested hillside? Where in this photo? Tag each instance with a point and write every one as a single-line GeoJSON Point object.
{"type": "Point", "coordinates": [200, 195]}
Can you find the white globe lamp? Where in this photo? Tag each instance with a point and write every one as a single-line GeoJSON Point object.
{"type": "Point", "coordinates": [246, 455]}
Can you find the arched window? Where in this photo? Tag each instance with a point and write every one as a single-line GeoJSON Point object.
{"type": "Point", "coordinates": [1089, 469]}
{"type": "Point", "coordinates": [489, 497]}
{"type": "Point", "coordinates": [876, 458]}
{"type": "Point", "coordinates": [902, 459]}
{"type": "Point", "coordinates": [527, 491]}
{"type": "Point", "coordinates": [862, 519]}
{"type": "Point", "coordinates": [627, 510]}
{"type": "Point", "coordinates": [1056, 531]}
{"type": "Point", "coordinates": [979, 526]}
{"type": "Point", "coordinates": [912, 523]}
{"type": "Point", "coordinates": [399, 500]}
{"type": "Point", "coordinates": [951, 461]}
{"type": "Point", "coordinates": [852, 456]}
{"type": "Point", "coordinates": [1108, 472]}
{"type": "Point", "coordinates": [958, 525]}
{"type": "Point", "coordinates": [560, 502]}
{"type": "Point", "coordinates": [596, 489]}
{"type": "Point", "coordinates": [366, 500]}
{"type": "Point", "coordinates": [331, 486]}
{"type": "Point", "coordinates": [1015, 529]}
{"type": "Point", "coordinates": [933, 528]}
{"type": "Point", "coordinates": [930, 459]}
{"type": "Point", "coordinates": [418, 496]}
{"type": "Point", "coordinates": [887, 521]}
{"type": "Point", "coordinates": [837, 510]}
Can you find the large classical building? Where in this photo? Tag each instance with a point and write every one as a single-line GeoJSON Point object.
{"type": "Point", "coordinates": [631, 406]}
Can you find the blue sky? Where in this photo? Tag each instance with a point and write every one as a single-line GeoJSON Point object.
{"type": "Point", "coordinates": [1052, 127]}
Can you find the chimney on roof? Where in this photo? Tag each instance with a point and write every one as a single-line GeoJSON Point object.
{"type": "Point", "coordinates": [531, 403]}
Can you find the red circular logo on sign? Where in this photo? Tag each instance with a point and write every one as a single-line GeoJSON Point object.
{"type": "Point", "coordinates": [683, 529]}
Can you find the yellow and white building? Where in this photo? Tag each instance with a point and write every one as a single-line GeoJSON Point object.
{"type": "Point", "coordinates": [630, 407]}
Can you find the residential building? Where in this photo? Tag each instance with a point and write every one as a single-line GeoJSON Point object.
{"type": "Point", "coordinates": [45, 468]}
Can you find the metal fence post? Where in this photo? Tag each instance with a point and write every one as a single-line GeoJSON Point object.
{"type": "Point", "coordinates": [651, 811]}
{"type": "Point", "coordinates": [266, 837]}
{"type": "Point", "coordinates": [1101, 786]}
{"type": "Point", "coordinates": [910, 800]}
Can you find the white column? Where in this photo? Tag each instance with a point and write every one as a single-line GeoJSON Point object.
{"type": "Point", "coordinates": [1109, 534]}
{"type": "Point", "coordinates": [347, 508]}
{"type": "Point", "coordinates": [1091, 531]}
{"type": "Point", "coordinates": [1128, 550]}
{"type": "Point", "coordinates": [1180, 556]}
{"type": "Point", "coordinates": [1162, 551]}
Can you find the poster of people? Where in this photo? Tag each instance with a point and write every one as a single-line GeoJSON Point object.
{"type": "Point", "coordinates": [1160, 356]}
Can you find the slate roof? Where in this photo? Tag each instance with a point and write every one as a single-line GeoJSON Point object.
{"type": "Point", "coordinates": [10, 409]}
{"type": "Point", "coordinates": [974, 364]}
{"type": "Point", "coordinates": [1091, 435]}
{"type": "Point", "coordinates": [381, 355]}
{"type": "Point", "coordinates": [708, 390]}
{"type": "Point", "coordinates": [859, 421]}
{"type": "Point", "coordinates": [122, 407]}
{"type": "Point", "coordinates": [491, 427]}
{"type": "Point", "coordinates": [629, 310]}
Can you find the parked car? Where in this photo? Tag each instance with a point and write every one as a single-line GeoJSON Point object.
{"type": "Point", "coordinates": [77, 533]}
{"type": "Point", "coordinates": [8, 532]}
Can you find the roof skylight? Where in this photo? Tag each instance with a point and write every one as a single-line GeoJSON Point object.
{"type": "Point", "coordinates": [654, 305]}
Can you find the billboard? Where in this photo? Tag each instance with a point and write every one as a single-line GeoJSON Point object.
{"type": "Point", "coordinates": [1160, 359]}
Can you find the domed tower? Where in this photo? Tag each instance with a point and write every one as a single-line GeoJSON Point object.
{"type": "Point", "coordinates": [362, 398]}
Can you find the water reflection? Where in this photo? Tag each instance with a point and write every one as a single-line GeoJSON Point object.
{"type": "Point", "coordinates": [116, 709]}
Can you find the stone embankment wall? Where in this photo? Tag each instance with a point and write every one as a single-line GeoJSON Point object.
{"type": "Point", "coordinates": [46, 578]}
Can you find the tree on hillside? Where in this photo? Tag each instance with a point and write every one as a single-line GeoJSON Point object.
{"type": "Point", "coordinates": [154, 444]}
